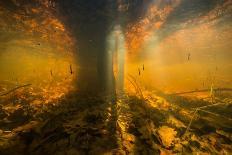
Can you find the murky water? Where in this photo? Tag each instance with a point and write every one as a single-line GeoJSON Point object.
{"type": "Point", "coordinates": [138, 77]}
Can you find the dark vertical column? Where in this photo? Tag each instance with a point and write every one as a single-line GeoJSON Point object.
{"type": "Point", "coordinates": [89, 21]}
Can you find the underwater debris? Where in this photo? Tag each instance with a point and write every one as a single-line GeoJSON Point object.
{"type": "Point", "coordinates": [212, 93]}
{"type": "Point", "coordinates": [200, 109]}
{"type": "Point", "coordinates": [202, 90]}
{"type": "Point", "coordinates": [167, 135]}
{"type": "Point", "coordinates": [133, 81]}
{"type": "Point", "coordinates": [51, 73]}
{"type": "Point", "coordinates": [14, 89]}
{"type": "Point", "coordinates": [139, 127]}
{"type": "Point", "coordinates": [188, 127]}
{"type": "Point", "coordinates": [70, 68]}
{"type": "Point", "coordinates": [56, 115]}
{"type": "Point", "coordinates": [189, 56]}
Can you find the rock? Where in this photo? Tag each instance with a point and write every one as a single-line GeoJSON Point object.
{"type": "Point", "coordinates": [128, 137]}
{"type": "Point", "coordinates": [27, 136]}
{"type": "Point", "coordinates": [36, 102]}
{"type": "Point", "coordinates": [178, 147]}
{"type": "Point", "coordinates": [147, 129]}
{"type": "Point", "coordinates": [167, 135]}
{"type": "Point", "coordinates": [3, 114]}
{"type": "Point", "coordinates": [16, 114]}
{"type": "Point", "coordinates": [175, 122]}
{"type": "Point", "coordinates": [129, 146]}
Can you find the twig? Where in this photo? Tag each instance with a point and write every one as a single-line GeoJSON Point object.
{"type": "Point", "coordinates": [215, 114]}
{"type": "Point", "coordinates": [200, 109]}
{"type": "Point", "coordinates": [190, 122]}
{"type": "Point", "coordinates": [14, 89]}
{"type": "Point", "coordinates": [203, 90]}
{"type": "Point", "coordinates": [211, 105]}
{"type": "Point", "coordinates": [140, 91]}
{"type": "Point", "coordinates": [133, 85]}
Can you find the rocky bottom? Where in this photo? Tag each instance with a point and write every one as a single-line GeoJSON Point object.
{"type": "Point", "coordinates": [155, 123]}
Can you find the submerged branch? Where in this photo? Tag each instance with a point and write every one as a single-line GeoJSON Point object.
{"type": "Point", "coordinates": [215, 114]}
{"type": "Point", "coordinates": [212, 105]}
{"type": "Point", "coordinates": [136, 90]}
{"type": "Point", "coordinates": [187, 129]}
{"type": "Point", "coordinates": [202, 90]}
{"type": "Point", "coordinates": [137, 86]}
{"type": "Point", "coordinates": [14, 89]}
{"type": "Point", "coordinates": [202, 109]}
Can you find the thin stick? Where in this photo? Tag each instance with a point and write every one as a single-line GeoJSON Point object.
{"type": "Point", "coordinates": [203, 90]}
{"type": "Point", "coordinates": [211, 105]}
{"type": "Point", "coordinates": [141, 93]}
{"type": "Point", "coordinates": [215, 114]}
{"type": "Point", "coordinates": [200, 109]}
{"type": "Point", "coordinates": [133, 85]}
{"type": "Point", "coordinates": [190, 122]}
{"type": "Point", "coordinates": [14, 89]}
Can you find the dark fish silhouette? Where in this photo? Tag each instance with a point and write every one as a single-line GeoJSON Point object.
{"type": "Point", "coordinates": [71, 71]}
{"type": "Point", "coordinates": [143, 67]}
{"type": "Point", "coordinates": [139, 71]}
{"type": "Point", "coordinates": [51, 72]}
{"type": "Point", "coordinates": [189, 56]}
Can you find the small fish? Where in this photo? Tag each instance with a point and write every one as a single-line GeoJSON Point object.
{"type": "Point", "coordinates": [139, 71]}
{"type": "Point", "coordinates": [71, 71]}
{"type": "Point", "coordinates": [189, 56]}
{"type": "Point", "coordinates": [51, 72]}
{"type": "Point", "coordinates": [143, 67]}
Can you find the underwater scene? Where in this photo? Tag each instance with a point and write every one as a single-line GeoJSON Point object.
{"type": "Point", "coordinates": [117, 77]}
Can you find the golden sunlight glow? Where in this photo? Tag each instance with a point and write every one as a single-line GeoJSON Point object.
{"type": "Point", "coordinates": [38, 51]}
{"type": "Point", "coordinates": [188, 59]}
{"type": "Point", "coordinates": [137, 34]}
{"type": "Point", "coordinates": [115, 77]}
